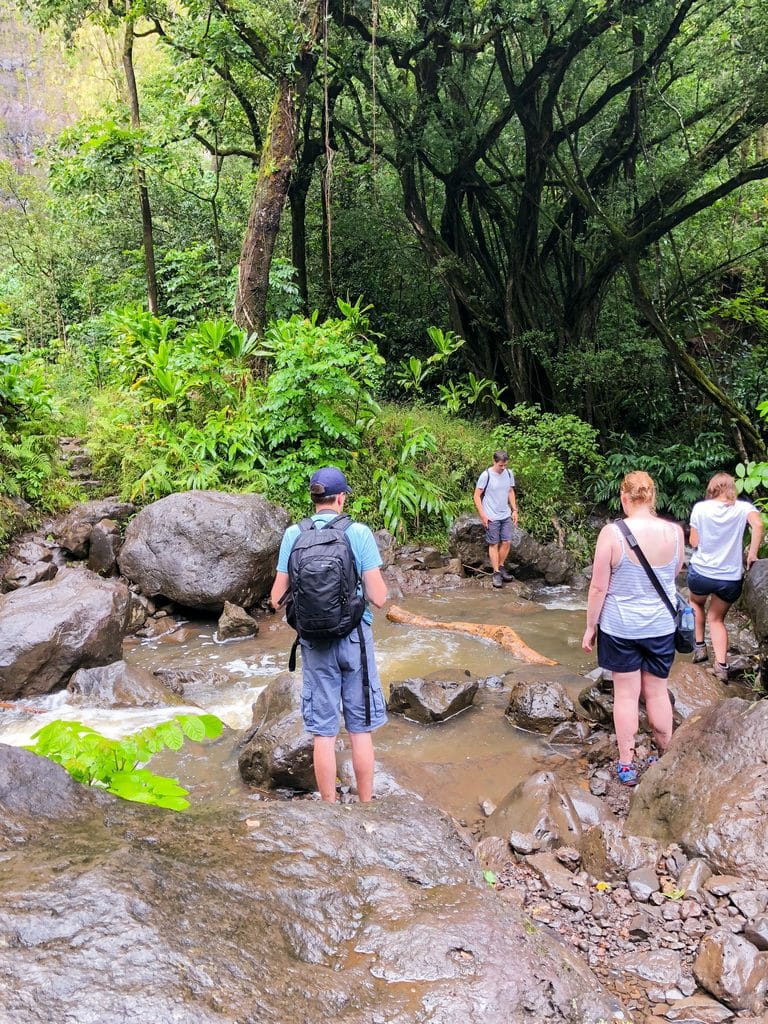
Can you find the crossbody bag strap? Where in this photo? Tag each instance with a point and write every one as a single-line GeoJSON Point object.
{"type": "Point", "coordinates": [632, 541]}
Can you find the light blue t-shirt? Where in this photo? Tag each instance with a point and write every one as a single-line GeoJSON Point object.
{"type": "Point", "coordinates": [361, 540]}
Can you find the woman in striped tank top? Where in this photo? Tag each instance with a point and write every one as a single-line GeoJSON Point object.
{"type": "Point", "coordinates": [636, 639]}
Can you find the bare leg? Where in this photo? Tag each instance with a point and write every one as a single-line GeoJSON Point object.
{"type": "Point", "coordinates": [324, 760]}
{"type": "Point", "coordinates": [362, 763]}
{"type": "Point", "coordinates": [493, 556]}
{"type": "Point", "coordinates": [626, 694]}
{"type": "Point", "coordinates": [659, 708]}
{"type": "Point", "coordinates": [716, 613]}
{"type": "Point", "coordinates": [503, 552]}
{"type": "Point", "coordinates": [698, 603]}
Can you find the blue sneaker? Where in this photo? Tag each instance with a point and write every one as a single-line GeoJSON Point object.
{"type": "Point", "coordinates": [626, 774]}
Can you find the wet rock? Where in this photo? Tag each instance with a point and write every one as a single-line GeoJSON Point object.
{"type": "Point", "coordinates": [276, 750]}
{"type": "Point", "coordinates": [300, 911]}
{"type": "Point", "coordinates": [202, 548]}
{"type": "Point", "coordinates": [659, 966]}
{"type": "Point", "coordinates": [432, 699]}
{"type": "Point", "coordinates": [750, 904]}
{"type": "Point", "coordinates": [733, 970]}
{"type": "Point", "coordinates": [698, 1009]}
{"type": "Point", "coordinates": [693, 876]}
{"type": "Point", "coordinates": [119, 685]}
{"type": "Point", "coordinates": [34, 791]}
{"type": "Point", "coordinates": [643, 926]}
{"type": "Point", "coordinates": [47, 632]}
{"type": "Point", "coordinates": [642, 882]}
{"type": "Point", "coordinates": [754, 598]}
{"type": "Point", "coordinates": [467, 542]}
{"type": "Point", "coordinates": [104, 546]}
{"type": "Point", "coordinates": [756, 932]}
{"type": "Point", "coordinates": [385, 542]}
{"type": "Point", "coordinates": [539, 706]}
{"type": "Point", "coordinates": [235, 622]}
{"type": "Point", "coordinates": [177, 679]}
{"type": "Point", "coordinates": [28, 561]}
{"type": "Point", "coordinates": [73, 531]}
{"type": "Point", "coordinates": [545, 812]}
{"type": "Point", "coordinates": [491, 853]}
{"type": "Point", "coordinates": [556, 878]}
{"type": "Point", "coordinates": [709, 791]}
{"type": "Point", "coordinates": [608, 854]}
{"type": "Point", "coordinates": [574, 731]}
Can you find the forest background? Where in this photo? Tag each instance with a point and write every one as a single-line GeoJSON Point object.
{"type": "Point", "coordinates": [243, 239]}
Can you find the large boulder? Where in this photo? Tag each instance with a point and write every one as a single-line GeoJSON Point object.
{"type": "Point", "coordinates": [529, 558]}
{"type": "Point", "coordinates": [47, 632]}
{"type": "Point", "coordinates": [710, 790]}
{"type": "Point", "coordinates": [202, 548]}
{"type": "Point", "coordinates": [276, 750]}
{"type": "Point", "coordinates": [271, 911]}
{"type": "Point", "coordinates": [755, 598]}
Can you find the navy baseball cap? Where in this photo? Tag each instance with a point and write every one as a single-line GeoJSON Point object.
{"type": "Point", "coordinates": [328, 482]}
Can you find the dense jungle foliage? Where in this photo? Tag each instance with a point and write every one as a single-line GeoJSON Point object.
{"type": "Point", "coordinates": [240, 240]}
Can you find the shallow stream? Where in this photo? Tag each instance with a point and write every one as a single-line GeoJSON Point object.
{"type": "Point", "coordinates": [456, 765]}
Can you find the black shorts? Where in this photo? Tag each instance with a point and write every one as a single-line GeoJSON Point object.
{"type": "Point", "coordinates": [653, 654]}
{"type": "Point", "coordinates": [727, 590]}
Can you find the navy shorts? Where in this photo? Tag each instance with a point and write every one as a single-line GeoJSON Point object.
{"type": "Point", "coordinates": [333, 676]}
{"type": "Point", "coordinates": [727, 590]}
{"type": "Point", "coordinates": [498, 531]}
{"type": "Point", "coordinates": [653, 654]}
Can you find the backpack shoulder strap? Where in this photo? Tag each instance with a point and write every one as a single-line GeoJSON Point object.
{"type": "Point", "coordinates": [342, 521]}
{"type": "Point", "coordinates": [307, 524]}
{"type": "Point", "coordinates": [487, 481]}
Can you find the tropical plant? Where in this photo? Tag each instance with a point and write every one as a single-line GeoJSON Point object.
{"type": "Point", "coordinates": [405, 492]}
{"type": "Point", "coordinates": [679, 470]}
{"type": "Point", "coordinates": [115, 765]}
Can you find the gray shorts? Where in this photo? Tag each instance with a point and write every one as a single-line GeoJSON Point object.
{"type": "Point", "coordinates": [498, 531]}
{"type": "Point", "coordinates": [333, 676]}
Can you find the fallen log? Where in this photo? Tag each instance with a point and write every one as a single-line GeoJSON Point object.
{"type": "Point", "coordinates": [504, 636]}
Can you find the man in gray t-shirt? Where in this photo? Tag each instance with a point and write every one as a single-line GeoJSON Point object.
{"type": "Point", "coordinates": [496, 504]}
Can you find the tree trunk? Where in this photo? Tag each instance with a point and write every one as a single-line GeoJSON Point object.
{"type": "Point", "coordinates": [148, 242]}
{"type": "Point", "coordinates": [753, 442]}
{"type": "Point", "coordinates": [274, 178]}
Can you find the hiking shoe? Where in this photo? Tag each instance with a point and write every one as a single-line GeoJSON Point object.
{"type": "Point", "coordinates": [719, 671]}
{"type": "Point", "coordinates": [497, 580]}
{"type": "Point", "coordinates": [506, 575]}
{"type": "Point", "coordinates": [700, 653]}
{"type": "Point", "coordinates": [626, 774]}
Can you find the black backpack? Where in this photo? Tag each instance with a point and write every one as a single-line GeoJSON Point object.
{"type": "Point", "coordinates": [324, 599]}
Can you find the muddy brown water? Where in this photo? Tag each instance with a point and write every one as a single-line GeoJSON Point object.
{"type": "Point", "coordinates": [455, 765]}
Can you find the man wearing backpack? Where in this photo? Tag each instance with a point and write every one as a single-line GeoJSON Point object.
{"type": "Point", "coordinates": [326, 592]}
{"type": "Point", "coordinates": [496, 503]}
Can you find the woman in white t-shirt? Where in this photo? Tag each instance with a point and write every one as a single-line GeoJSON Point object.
{"type": "Point", "coordinates": [716, 571]}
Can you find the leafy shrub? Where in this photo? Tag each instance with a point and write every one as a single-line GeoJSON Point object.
{"type": "Point", "coordinates": [680, 471]}
{"type": "Point", "coordinates": [114, 765]}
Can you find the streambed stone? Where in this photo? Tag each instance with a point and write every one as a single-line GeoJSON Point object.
{"type": "Point", "coordinates": [539, 706]}
{"type": "Point", "coordinates": [47, 632]}
{"type": "Point", "coordinates": [276, 750]}
{"type": "Point", "coordinates": [431, 699]}
{"type": "Point", "coordinates": [733, 970]}
{"type": "Point", "coordinates": [279, 911]}
{"type": "Point", "coordinates": [120, 685]}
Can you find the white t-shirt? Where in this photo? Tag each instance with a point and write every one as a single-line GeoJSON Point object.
{"type": "Point", "coordinates": [496, 498]}
{"type": "Point", "coordinates": [720, 526]}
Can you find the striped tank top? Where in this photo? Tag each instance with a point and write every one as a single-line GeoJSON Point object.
{"type": "Point", "coordinates": [632, 609]}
